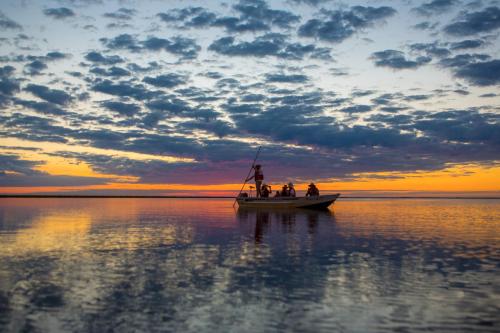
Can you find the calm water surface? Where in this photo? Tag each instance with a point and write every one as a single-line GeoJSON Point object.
{"type": "Point", "coordinates": [190, 265]}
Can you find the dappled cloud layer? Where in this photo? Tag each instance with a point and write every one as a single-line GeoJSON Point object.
{"type": "Point", "coordinates": [181, 93]}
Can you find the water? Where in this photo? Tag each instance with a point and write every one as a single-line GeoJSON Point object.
{"type": "Point", "coordinates": [189, 265]}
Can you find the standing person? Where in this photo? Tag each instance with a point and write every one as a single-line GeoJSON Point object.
{"type": "Point", "coordinates": [259, 177]}
{"type": "Point", "coordinates": [291, 190]}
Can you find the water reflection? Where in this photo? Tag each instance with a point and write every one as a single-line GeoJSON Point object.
{"type": "Point", "coordinates": [286, 219]}
{"type": "Point", "coordinates": [198, 265]}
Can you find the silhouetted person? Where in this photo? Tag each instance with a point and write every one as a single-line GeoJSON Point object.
{"type": "Point", "coordinates": [291, 190]}
{"type": "Point", "coordinates": [284, 191]}
{"type": "Point", "coordinates": [312, 191]}
{"type": "Point", "coordinates": [259, 177]}
{"type": "Point", "coordinates": [278, 194]}
{"type": "Point", "coordinates": [265, 191]}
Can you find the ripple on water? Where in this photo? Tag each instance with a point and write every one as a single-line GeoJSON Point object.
{"type": "Point", "coordinates": [197, 265]}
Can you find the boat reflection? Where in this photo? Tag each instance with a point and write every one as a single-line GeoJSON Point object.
{"type": "Point", "coordinates": [284, 219]}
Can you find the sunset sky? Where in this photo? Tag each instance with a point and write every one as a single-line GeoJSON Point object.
{"type": "Point", "coordinates": [174, 97]}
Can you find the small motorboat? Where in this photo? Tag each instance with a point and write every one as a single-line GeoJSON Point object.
{"type": "Point", "coordinates": [315, 202]}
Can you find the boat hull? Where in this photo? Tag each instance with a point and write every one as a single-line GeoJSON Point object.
{"type": "Point", "coordinates": [316, 202]}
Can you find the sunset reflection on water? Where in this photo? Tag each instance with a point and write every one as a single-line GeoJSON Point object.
{"type": "Point", "coordinates": [200, 265]}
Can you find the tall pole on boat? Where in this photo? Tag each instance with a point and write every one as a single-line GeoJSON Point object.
{"type": "Point", "coordinates": [249, 172]}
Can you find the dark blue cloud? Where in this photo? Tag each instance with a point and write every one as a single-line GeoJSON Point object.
{"type": "Point", "coordinates": [15, 171]}
{"type": "Point", "coordinates": [482, 73]}
{"type": "Point", "coordinates": [185, 47]}
{"type": "Point", "coordinates": [272, 44]}
{"type": "Point", "coordinates": [309, 2]}
{"type": "Point", "coordinates": [483, 21]}
{"type": "Point", "coordinates": [435, 7]}
{"type": "Point", "coordinates": [121, 14]}
{"type": "Point", "coordinates": [123, 41]}
{"type": "Point", "coordinates": [125, 109]}
{"type": "Point", "coordinates": [7, 23]}
{"type": "Point", "coordinates": [468, 126]}
{"type": "Point", "coordinates": [338, 25]}
{"type": "Point", "coordinates": [112, 71]}
{"type": "Point", "coordinates": [397, 60]}
{"type": "Point", "coordinates": [124, 89]}
{"type": "Point", "coordinates": [431, 49]}
{"type": "Point", "coordinates": [254, 15]}
{"type": "Point", "coordinates": [359, 108]}
{"type": "Point", "coordinates": [41, 107]}
{"type": "Point", "coordinates": [196, 17]}
{"type": "Point", "coordinates": [467, 44]}
{"type": "Point", "coordinates": [165, 80]}
{"type": "Point", "coordinates": [59, 13]}
{"type": "Point", "coordinates": [55, 96]}
{"type": "Point", "coordinates": [98, 58]}
{"type": "Point", "coordinates": [286, 78]}
{"type": "Point", "coordinates": [35, 67]}
{"type": "Point", "coordinates": [488, 95]}
{"type": "Point", "coordinates": [463, 60]}
{"type": "Point", "coordinates": [8, 85]}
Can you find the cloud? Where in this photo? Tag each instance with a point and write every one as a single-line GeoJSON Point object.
{"type": "Point", "coordinates": [166, 80]}
{"type": "Point", "coordinates": [461, 60]}
{"type": "Point", "coordinates": [430, 49]}
{"type": "Point", "coordinates": [121, 14]}
{"type": "Point", "coordinates": [124, 89]}
{"type": "Point", "coordinates": [59, 13]}
{"type": "Point", "coordinates": [309, 2]}
{"type": "Point", "coordinates": [112, 71]}
{"type": "Point", "coordinates": [98, 58]}
{"type": "Point", "coordinates": [486, 20]}
{"type": "Point", "coordinates": [7, 23]}
{"type": "Point", "coordinates": [286, 78]}
{"type": "Point", "coordinates": [481, 73]}
{"type": "Point", "coordinates": [15, 171]}
{"type": "Point", "coordinates": [467, 44]}
{"type": "Point", "coordinates": [477, 69]}
{"type": "Point", "coordinates": [435, 7]}
{"type": "Point", "coordinates": [360, 108]}
{"type": "Point", "coordinates": [272, 44]}
{"type": "Point", "coordinates": [196, 17]}
{"type": "Point", "coordinates": [338, 25]}
{"type": "Point", "coordinates": [35, 67]}
{"type": "Point", "coordinates": [185, 47]}
{"type": "Point", "coordinates": [254, 15]}
{"type": "Point", "coordinates": [41, 107]}
{"type": "Point", "coordinates": [125, 109]}
{"type": "Point", "coordinates": [8, 85]}
{"type": "Point", "coordinates": [55, 96]}
{"type": "Point", "coordinates": [397, 60]}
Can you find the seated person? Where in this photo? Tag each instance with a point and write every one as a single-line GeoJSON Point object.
{"type": "Point", "coordinates": [285, 192]}
{"type": "Point", "coordinates": [277, 194]}
{"type": "Point", "coordinates": [291, 190]}
{"type": "Point", "coordinates": [265, 191]}
{"type": "Point", "coordinates": [312, 190]}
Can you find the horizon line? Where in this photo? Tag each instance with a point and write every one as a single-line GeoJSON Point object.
{"type": "Point", "coordinates": [34, 196]}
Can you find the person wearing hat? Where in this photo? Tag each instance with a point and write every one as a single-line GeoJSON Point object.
{"type": "Point", "coordinates": [285, 191]}
{"type": "Point", "coordinates": [259, 177]}
{"type": "Point", "coordinates": [265, 191]}
{"type": "Point", "coordinates": [291, 189]}
{"type": "Point", "coordinates": [312, 190]}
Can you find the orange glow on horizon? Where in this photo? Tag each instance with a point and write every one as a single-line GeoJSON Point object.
{"type": "Point", "coordinates": [462, 178]}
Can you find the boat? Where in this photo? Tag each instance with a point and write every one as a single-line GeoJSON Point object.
{"type": "Point", "coordinates": [314, 202]}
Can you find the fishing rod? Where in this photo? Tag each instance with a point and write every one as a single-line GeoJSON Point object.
{"type": "Point", "coordinates": [249, 172]}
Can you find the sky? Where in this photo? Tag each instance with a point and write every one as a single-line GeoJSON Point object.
{"type": "Point", "coordinates": [174, 97]}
